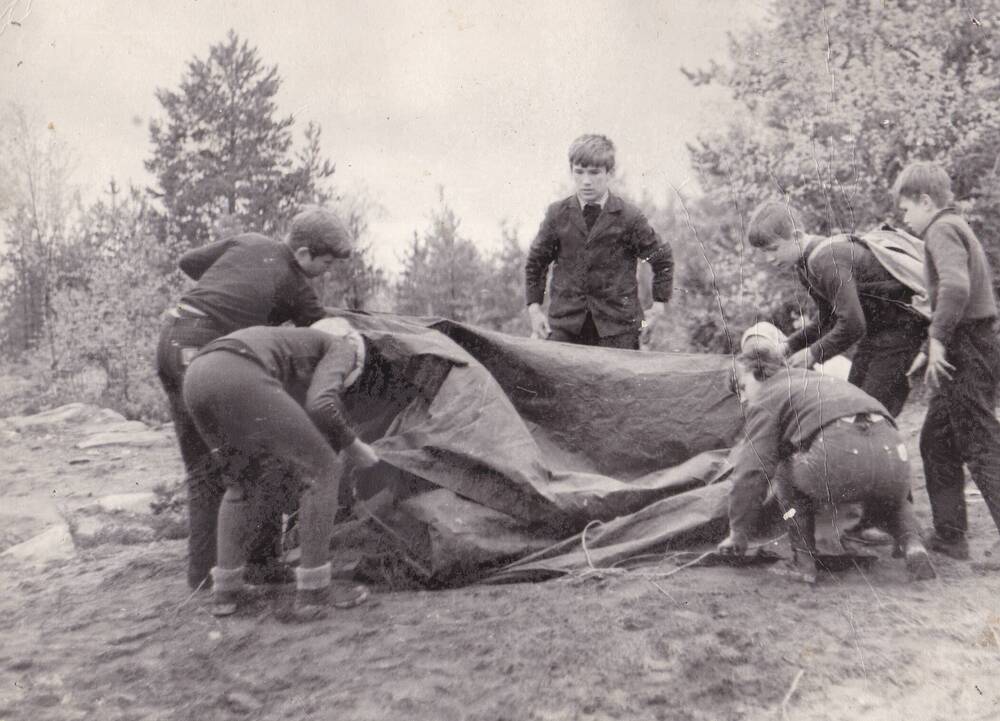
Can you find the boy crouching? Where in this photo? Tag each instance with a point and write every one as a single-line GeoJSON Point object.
{"type": "Point", "coordinates": [816, 440]}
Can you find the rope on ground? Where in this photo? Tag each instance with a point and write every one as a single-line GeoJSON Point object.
{"type": "Point", "coordinates": [791, 692]}
{"type": "Point", "coordinates": [192, 595]}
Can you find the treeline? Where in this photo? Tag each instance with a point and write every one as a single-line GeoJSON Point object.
{"type": "Point", "coordinates": [831, 100]}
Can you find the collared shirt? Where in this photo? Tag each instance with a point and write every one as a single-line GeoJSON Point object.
{"type": "Point", "coordinates": [602, 201]}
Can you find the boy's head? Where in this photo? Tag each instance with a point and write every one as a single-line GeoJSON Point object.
{"type": "Point", "coordinates": [592, 165]}
{"type": "Point", "coordinates": [340, 328]}
{"type": "Point", "coordinates": [754, 365]}
{"type": "Point", "coordinates": [318, 237]}
{"type": "Point", "coordinates": [776, 229]}
{"type": "Point", "coordinates": [921, 190]}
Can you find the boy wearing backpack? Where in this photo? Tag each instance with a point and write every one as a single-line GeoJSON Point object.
{"type": "Point", "coordinates": [963, 359]}
{"type": "Point", "coordinates": [859, 302]}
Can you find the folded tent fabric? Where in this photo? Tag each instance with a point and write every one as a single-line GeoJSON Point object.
{"type": "Point", "coordinates": [499, 447]}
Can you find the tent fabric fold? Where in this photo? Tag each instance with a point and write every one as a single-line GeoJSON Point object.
{"type": "Point", "coordinates": [498, 450]}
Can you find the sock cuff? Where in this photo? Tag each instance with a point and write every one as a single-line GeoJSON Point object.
{"type": "Point", "coordinates": [308, 579]}
{"type": "Point", "coordinates": [227, 579]}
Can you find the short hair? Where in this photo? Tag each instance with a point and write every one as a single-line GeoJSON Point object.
{"type": "Point", "coordinates": [321, 231]}
{"type": "Point", "coordinates": [593, 150]}
{"type": "Point", "coordinates": [923, 178]}
{"type": "Point", "coordinates": [762, 359]}
{"type": "Point", "coordinates": [773, 220]}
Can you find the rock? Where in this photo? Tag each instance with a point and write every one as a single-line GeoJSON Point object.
{"type": "Point", "coordinates": [123, 503]}
{"type": "Point", "coordinates": [121, 426]}
{"type": "Point", "coordinates": [138, 438]}
{"type": "Point", "coordinates": [62, 414]}
{"type": "Point", "coordinates": [54, 544]}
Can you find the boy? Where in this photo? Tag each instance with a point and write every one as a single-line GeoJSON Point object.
{"type": "Point", "coordinates": [963, 357]}
{"type": "Point", "coordinates": [859, 302]}
{"type": "Point", "coordinates": [275, 392]}
{"type": "Point", "coordinates": [242, 281]}
{"type": "Point", "coordinates": [817, 439]}
{"type": "Point", "coordinates": [594, 239]}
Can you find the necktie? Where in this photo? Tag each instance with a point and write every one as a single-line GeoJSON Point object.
{"type": "Point", "coordinates": [590, 213]}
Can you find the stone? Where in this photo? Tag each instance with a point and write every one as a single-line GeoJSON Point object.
{"type": "Point", "coordinates": [137, 438]}
{"type": "Point", "coordinates": [53, 544]}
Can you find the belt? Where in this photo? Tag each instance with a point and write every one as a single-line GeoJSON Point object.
{"type": "Point", "coordinates": [176, 319]}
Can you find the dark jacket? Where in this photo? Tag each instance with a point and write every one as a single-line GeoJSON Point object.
{"type": "Point", "coordinates": [854, 294]}
{"type": "Point", "coordinates": [249, 280]}
{"type": "Point", "coordinates": [311, 365]}
{"type": "Point", "coordinates": [788, 411]}
{"type": "Point", "coordinates": [595, 272]}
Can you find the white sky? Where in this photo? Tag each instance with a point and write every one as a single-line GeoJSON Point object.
{"type": "Point", "coordinates": [482, 97]}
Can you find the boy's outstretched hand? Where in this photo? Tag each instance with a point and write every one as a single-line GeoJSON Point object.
{"type": "Point", "coordinates": [539, 323]}
{"type": "Point", "coordinates": [938, 367]}
{"type": "Point", "coordinates": [733, 545]}
{"type": "Point", "coordinates": [361, 454]}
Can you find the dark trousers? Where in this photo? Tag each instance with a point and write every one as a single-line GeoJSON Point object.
{"type": "Point", "coordinates": [180, 339]}
{"type": "Point", "coordinates": [961, 428]}
{"type": "Point", "coordinates": [881, 360]}
{"type": "Point", "coordinates": [588, 335]}
{"type": "Point", "coordinates": [847, 462]}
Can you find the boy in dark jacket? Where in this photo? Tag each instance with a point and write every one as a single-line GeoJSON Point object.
{"type": "Point", "coordinates": [276, 393]}
{"type": "Point", "coordinates": [963, 358]}
{"type": "Point", "coordinates": [593, 240]}
{"type": "Point", "coordinates": [816, 439]}
{"type": "Point", "coordinates": [242, 281]}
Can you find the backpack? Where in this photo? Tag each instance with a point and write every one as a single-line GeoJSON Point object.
{"type": "Point", "coordinates": [902, 255]}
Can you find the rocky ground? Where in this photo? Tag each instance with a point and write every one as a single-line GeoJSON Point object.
{"type": "Point", "coordinates": [96, 622]}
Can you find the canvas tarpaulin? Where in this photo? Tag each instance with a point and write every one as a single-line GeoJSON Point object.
{"type": "Point", "coordinates": [498, 450]}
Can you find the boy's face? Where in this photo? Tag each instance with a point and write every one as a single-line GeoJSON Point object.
{"type": "Point", "coordinates": [784, 253]}
{"type": "Point", "coordinates": [745, 385]}
{"type": "Point", "coordinates": [313, 265]}
{"type": "Point", "coordinates": [591, 181]}
{"type": "Point", "coordinates": [917, 212]}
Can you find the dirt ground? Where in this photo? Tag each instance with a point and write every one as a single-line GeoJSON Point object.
{"type": "Point", "coordinates": [115, 634]}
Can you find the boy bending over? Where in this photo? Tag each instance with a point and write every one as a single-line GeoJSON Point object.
{"type": "Point", "coordinates": [816, 440]}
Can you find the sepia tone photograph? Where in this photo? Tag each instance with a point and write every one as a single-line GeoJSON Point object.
{"type": "Point", "coordinates": [499, 361]}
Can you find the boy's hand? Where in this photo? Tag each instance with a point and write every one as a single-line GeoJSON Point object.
{"type": "Point", "coordinates": [801, 359]}
{"type": "Point", "coordinates": [361, 454]}
{"type": "Point", "coordinates": [733, 545]}
{"type": "Point", "coordinates": [919, 363]}
{"type": "Point", "coordinates": [652, 318]}
{"type": "Point", "coordinates": [539, 323]}
{"type": "Point", "coordinates": [938, 367]}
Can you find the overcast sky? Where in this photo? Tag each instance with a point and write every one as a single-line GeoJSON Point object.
{"type": "Point", "coordinates": [482, 98]}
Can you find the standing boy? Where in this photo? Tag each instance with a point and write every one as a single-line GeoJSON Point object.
{"type": "Point", "coordinates": [817, 440]}
{"type": "Point", "coordinates": [242, 281]}
{"type": "Point", "coordinates": [594, 240]}
{"type": "Point", "coordinates": [963, 357]}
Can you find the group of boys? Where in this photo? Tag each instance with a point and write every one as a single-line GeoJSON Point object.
{"type": "Point", "coordinates": [861, 303]}
{"type": "Point", "coordinates": [243, 391]}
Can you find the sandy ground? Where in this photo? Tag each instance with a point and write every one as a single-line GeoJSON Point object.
{"type": "Point", "coordinates": [115, 634]}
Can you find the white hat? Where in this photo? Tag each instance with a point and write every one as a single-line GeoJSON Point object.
{"type": "Point", "coordinates": [340, 328]}
{"type": "Point", "coordinates": [762, 332]}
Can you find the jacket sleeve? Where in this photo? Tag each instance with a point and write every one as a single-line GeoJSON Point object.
{"type": "Point", "coordinates": [754, 460]}
{"type": "Point", "coordinates": [196, 261]}
{"type": "Point", "coordinates": [543, 252]}
{"type": "Point", "coordinates": [658, 253]}
{"type": "Point", "coordinates": [951, 260]}
{"type": "Point", "coordinates": [323, 399]}
{"type": "Point", "coordinates": [842, 323]}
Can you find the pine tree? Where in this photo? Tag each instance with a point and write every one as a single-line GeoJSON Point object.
{"type": "Point", "coordinates": [222, 150]}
